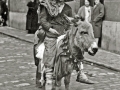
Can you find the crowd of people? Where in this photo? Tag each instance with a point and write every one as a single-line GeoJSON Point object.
{"type": "Point", "coordinates": [53, 24]}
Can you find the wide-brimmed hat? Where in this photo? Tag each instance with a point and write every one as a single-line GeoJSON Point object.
{"type": "Point", "coordinates": [66, 0]}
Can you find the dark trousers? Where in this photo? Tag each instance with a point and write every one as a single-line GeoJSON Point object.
{"type": "Point", "coordinates": [4, 16]}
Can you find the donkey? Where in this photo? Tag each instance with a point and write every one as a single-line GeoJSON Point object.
{"type": "Point", "coordinates": [70, 53]}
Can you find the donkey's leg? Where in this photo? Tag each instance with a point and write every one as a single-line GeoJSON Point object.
{"type": "Point", "coordinates": [49, 79]}
{"type": "Point", "coordinates": [81, 75]}
{"type": "Point", "coordinates": [58, 85]}
{"type": "Point", "coordinates": [67, 81]}
{"type": "Point", "coordinates": [81, 66]}
{"type": "Point", "coordinates": [42, 70]}
{"type": "Point", "coordinates": [39, 75]}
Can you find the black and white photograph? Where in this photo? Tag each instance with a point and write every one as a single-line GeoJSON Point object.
{"type": "Point", "coordinates": [59, 45]}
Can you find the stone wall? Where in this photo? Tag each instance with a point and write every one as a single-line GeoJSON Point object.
{"type": "Point", "coordinates": [17, 13]}
{"type": "Point", "coordinates": [111, 26]}
{"type": "Point", "coordinates": [18, 5]}
{"type": "Point", "coordinates": [112, 10]}
{"type": "Point", "coordinates": [17, 20]}
{"type": "Point", "coordinates": [111, 36]}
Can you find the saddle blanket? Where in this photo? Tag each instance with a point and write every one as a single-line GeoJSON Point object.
{"type": "Point", "coordinates": [40, 49]}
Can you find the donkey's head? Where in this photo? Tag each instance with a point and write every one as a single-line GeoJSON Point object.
{"type": "Point", "coordinates": [84, 38]}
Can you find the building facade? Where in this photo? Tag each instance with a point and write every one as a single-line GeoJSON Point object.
{"type": "Point", "coordinates": [110, 27]}
{"type": "Point", "coordinates": [18, 11]}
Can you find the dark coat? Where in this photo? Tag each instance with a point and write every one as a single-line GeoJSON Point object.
{"type": "Point", "coordinates": [32, 17]}
{"type": "Point", "coordinates": [97, 18]}
{"type": "Point", "coordinates": [3, 9]}
{"type": "Point", "coordinates": [57, 22]}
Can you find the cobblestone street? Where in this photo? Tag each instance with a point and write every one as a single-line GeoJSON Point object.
{"type": "Point", "coordinates": [17, 69]}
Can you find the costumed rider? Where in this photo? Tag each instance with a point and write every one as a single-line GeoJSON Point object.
{"type": "Point", "coordinates": [52, 25]}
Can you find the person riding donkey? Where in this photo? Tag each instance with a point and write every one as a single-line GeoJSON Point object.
{"type": "Point", "coordinates": [52, 25]}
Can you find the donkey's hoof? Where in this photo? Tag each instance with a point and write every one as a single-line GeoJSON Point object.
{"type": "Point", "coordinates": [38, 85]}
{"type": "Point", "coordinates": [41, 82]}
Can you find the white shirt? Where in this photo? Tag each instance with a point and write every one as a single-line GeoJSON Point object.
{"type": "Point", "coordinates": [87, 14]}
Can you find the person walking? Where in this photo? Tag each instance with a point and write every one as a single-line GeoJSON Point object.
{"type": "Point", "coordinates": [97, 18]}
{"type": "Point", "coordinates": [32, 17]}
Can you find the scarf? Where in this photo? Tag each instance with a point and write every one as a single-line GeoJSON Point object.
{"type": "Point", "coordinates": [53, 10]}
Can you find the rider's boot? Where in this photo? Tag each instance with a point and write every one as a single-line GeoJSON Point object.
{"type": "Point", "coordinates": [82, 78]}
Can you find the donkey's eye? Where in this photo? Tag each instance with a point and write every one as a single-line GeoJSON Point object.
{"type": "Point", "coordinates": [83, 32]}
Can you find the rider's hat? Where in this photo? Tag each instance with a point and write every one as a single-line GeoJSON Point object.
{"type": "Point", "coordinates": [65, 0]}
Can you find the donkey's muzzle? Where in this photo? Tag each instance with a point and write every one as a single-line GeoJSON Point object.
{"type": "Point", "coordinates": [94, 51]}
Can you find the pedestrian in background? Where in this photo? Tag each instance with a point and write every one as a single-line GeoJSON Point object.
{"type": "Point", "coordinates": [3, 12]}
{"type": "Point", "coordinates": [32, 17]}
{"type": "Point", "coordinates": [84, 13]}
{"type": "Point", "coordinates": [97, 18]}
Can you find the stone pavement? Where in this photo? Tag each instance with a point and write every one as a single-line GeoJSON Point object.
{"type": "Point", "coordinates": [17, 69]}
{"type": "Point", "coordinates": [102, 58]}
